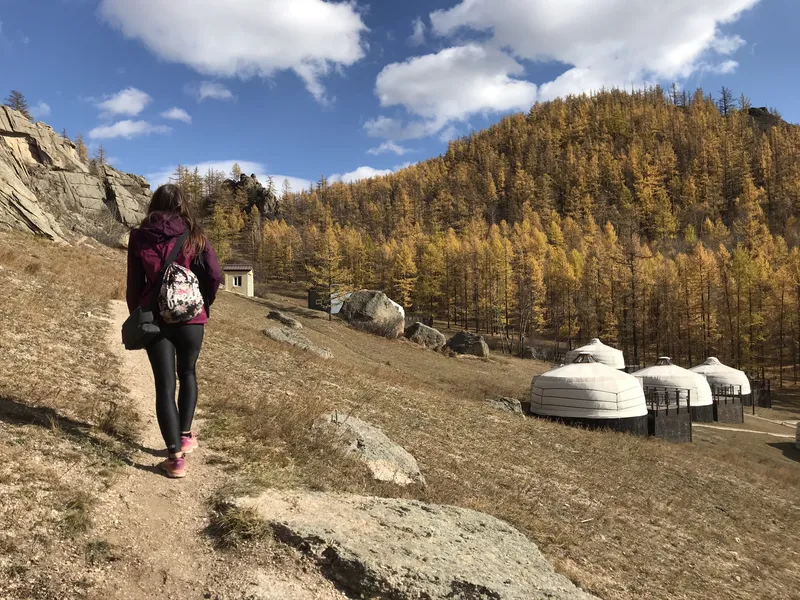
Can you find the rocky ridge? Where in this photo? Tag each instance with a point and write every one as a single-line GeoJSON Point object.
{"type": "Point", "coordinates": [46, 188]}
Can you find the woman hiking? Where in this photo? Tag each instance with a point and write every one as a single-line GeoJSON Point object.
{"type": "Point", "coordinates": [169, 219]}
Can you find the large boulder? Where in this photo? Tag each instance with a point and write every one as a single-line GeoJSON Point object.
{"type": "Point", "coordinates": [374, 312]}
{"type": "Point", "coordinates": [386, 460]}
{"type": "Point", "coordinates": [408, 550]}
{"type": "Point", "coordinates": [285, 335]}
{"type": "Point", "coordinates": [465, 342]}
{"type": "Point", "coordinates": [425, 336]}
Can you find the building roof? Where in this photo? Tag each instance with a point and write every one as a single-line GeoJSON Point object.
{"type": "Point", "coordinates": [718, 374]}
{"type": "Point", "coordinates": [587, 389]}
{"type": "Point", "coordinates": [238, 267]}
{"type": "Point", "coordinates": [603, 354]}
{"type": "Point", "coordinates": [671, 377]}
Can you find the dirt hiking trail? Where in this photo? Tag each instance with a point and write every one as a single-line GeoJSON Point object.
{"type": "Point", "coordinates": [155, 525]}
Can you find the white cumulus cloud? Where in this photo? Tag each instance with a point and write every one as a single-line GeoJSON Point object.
{"type": "Point", "coordinates": [389, 147]}
{"type": "Point", "coordinates": [41, 110]}
{"type": "Point", "coordinates": [358, 174]}
{"type": "Point", "coordinates": [209, 90]}
{"type": "Point", "coordinates": [177, 114]}
{"type": "Point", "coordinates": [418, 32]}
{"type": "Point", "coordinates": [612, 43]}
{"type": "Point", "coordinates": [126, 129]}
{"type": "Point", "coordinates": [246, 38]}
{"type": "Point", "coordinates": [129, 102]}
{"type": "Point", "coordinates": [726, 68]}
{"type": "Point", "coordinates": [451, 85]}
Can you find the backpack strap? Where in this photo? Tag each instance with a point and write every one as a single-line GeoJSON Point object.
{"type": "Point", "coordinates": [173, 255]}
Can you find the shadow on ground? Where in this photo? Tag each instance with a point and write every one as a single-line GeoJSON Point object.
{"type": "Point", "coordinates": [789, 450]}
{"type": "Point", "coordinates": [15, 412]}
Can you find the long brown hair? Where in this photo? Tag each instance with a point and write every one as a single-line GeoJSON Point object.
{"type": "Point", "coordinates": [169, 199]}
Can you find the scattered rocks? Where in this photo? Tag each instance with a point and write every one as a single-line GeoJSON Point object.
{"type": "Point", "coordinates": [425, 336]}
{"type": "Point", "coordinates": [387, 460]}
{"type": "Point", "coordinates": [276, 315]}
{"type": "Point", "coordinates": [374, 312]}
{"type": "Point", "coordinates": [405, 549]}
{"type": "Point", "coordinates": [507, 404]}
{"type": "Point", "coordinates": [285, 335]}
{"type": "Point", "coordinates": [465, 342]}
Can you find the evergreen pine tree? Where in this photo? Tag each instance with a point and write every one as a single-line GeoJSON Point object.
{"type": "Point", "coordinates": [16, 100]}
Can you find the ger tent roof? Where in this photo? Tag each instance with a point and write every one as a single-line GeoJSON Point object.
{"type": "Point", "coordinates": [587, 389]}
{"type": "Point", "coordinates": [601, 353]}
{"type": "Point", "coordinates": [718, 374]}
{"type": "Point", "coordinates": [671, 377]}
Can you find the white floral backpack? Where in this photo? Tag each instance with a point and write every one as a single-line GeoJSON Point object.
{"type": "Point", "coordinates": [180, 299]}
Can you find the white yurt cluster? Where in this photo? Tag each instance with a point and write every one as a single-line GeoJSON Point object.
{"type": "Point", "coordinates": [718, 374]}
{"type": "Point", "coordinates": [603, 354]}
{"type": "Point", "coordinates": [692, 387]}
{"type": "Point", "coordinates": [588, 391]}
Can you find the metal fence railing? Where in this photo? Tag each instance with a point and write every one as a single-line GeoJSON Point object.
{"type": "Point", "coordinates": [664, 399]}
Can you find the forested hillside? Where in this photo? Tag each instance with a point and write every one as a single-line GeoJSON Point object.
{"type": "Point", "coordinates": [663, 223]}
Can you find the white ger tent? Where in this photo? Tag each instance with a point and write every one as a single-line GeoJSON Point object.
{"type": "Point", "coordinates": [601, 353]}
{"type": "Point", "coordinates": [718, 374]}
{"type": "Point", "coordinates": [670, 377]}
{"type": "Point", "coordinates": [586, 389]}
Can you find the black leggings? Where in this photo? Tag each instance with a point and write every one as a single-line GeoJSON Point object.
{"type": "Point", "coordinates": [185, 341]}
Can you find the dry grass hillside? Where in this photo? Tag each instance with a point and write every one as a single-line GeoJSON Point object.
{"type": "Point", "coordinates": [625, 518]}
{"type": "Point", "coordinates": [63, 415]}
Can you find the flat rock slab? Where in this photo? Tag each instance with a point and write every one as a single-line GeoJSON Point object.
{"type": "Point", "coordinates": [276, 315]}
{"type": "Point", "coordinates": [408, 550]}
{"type": "Point", "coordinates": [285, 335]}
{"type": "Point", "coordinates": [507, 404]}
{"type": "Point", "coordinates": [386, 460]}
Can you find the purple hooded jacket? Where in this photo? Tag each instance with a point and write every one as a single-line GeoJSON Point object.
{"type": "Point", "coordinates": [149, 247]}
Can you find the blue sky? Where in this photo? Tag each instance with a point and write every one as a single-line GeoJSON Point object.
{"type": "Point", "coordinates": [306, 88]}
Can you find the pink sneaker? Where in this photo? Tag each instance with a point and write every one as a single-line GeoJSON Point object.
{"type": "Point", "coordinates": [188, 443]}
{"type": "Point", "coordinates": [175, 468]}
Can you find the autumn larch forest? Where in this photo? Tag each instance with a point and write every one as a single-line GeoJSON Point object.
{"type": "Point", "coordinates": [663, 222]}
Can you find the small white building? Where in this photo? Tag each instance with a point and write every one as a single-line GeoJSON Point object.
{"type": "Point", "coordinates": [590, 393]}
{"type": "Point", "coordinates": [718, 374]}
{"type": "Point", "coordinates": [239, 279]}
{"type": "Point", "coordinates": [690, 387]}
{"type": "Point", "coordinates": [611, 357]}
